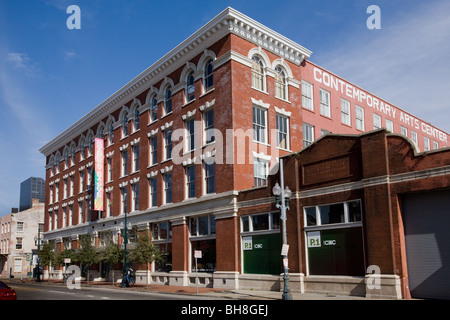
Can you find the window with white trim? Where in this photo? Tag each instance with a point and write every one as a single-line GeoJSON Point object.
{"type": "Point", "coordinates": [260, 222]}
{"type": "Point", "coordinates": [404, 131]}
{"type": "Point", "coordinates": [260, 171]}
{"type": "Point", "coordinates": [426, 144]}
{"type": "Point", "coordinates": [414, 137]}
{"type": "Point", "coordinates": [190, 181]}
{"type": "Point", "coordinates": [258, 77]}
{"type": "Point", "coordinates": [325, 108]}
{"type": "Point", "coordinates": [280, 83]}
{"type": "Point", "coordinates": [209, 177]}
{"type": "Point", "coordinates": [208, 79]}
{"type": "Point", "coordinates": [345, 112]}
{"type": "Point", "coordinates": [359, 116]}
{"type": "Point", "coordinates": [308, 134]}
{"type": "Point", "coordinates": [167, 178]}
{"type": "Point", "coordinates": [190, 134]}
{"type": "Point", "coordinates": [153, 190]}
{"type": "Point", "coordinates": [123, 200]}
{"type": "Point", "coordinates": [124, 158]}
{"type": "Point", "coordinates": [153, 142]}
{"type": "Point", "coordinates": [282, 132]}
{"type": "Point", "coordinates": [136, 157]}
{"type": "Point", "coordinates": [376, 121]}
{"type": "Point", "coordinates": [259, 124]}
{"type": "Point", "coordinates": [135, 196]}
{"type": "Point", "coordinates": [190, 87]}
{"type": "Point", "coordinates": [389, 125]}
{"type": "Point", "coordinates": [167, 144]}
{"type": "Point", "coordinates": [307, 95]}
{"type": "Point", "coordinates": [208, 126]}
{"type": "Point", "coordinates": [168, 100]}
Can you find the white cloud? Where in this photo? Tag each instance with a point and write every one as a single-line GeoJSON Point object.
{"type": "Point", "coordinates": [405, 63]}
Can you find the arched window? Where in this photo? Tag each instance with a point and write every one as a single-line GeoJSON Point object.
{"type": "Point", "coordinates": [168, 100]}
{"type": "Point", "coordinates": [190, 87]}
{"type": "Point", "coordinates": [154, 109]}
{"type": "Point", "coordinates": [280, 83]}
{"type": "Point", "coordinates": [125, 125]}
{"type": "Point", "coordinates": [208, 76]}
{"type": "Point", "coordinates": [136, 119]}
{"type": "Point", "coordinates": [257, 73]}
{"type": "Point", "coordinates": [111, 134]}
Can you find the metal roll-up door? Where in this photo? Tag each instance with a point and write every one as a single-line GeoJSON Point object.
{"type": "Point", "coordinates": [427, 238]}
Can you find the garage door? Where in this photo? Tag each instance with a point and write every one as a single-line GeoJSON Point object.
{"type": "Point", "coordinates": [427, 236]}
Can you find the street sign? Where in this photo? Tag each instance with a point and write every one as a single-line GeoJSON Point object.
{"type": "Point", "coordinates": [197, 254]}
{"type": "Point", "coordinates": [285, 250]}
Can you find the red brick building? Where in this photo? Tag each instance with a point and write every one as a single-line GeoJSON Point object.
{"type": "Point", "coordinates": [364, 203]}
{"type": "Point", "coordinates": [184, 140]}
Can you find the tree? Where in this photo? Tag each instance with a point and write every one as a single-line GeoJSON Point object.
{"type": "Point", "coordinates": [47, 255]}
{"type": "Point", "coordinates": [111, 253]}
{"type": "Point", "coordinates": [145, 252]}
{"type": "Point", "coordinates": [87, 254]}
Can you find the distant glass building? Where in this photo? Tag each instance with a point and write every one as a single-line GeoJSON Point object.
{"type": "Point", "coordinates": [32, 188]}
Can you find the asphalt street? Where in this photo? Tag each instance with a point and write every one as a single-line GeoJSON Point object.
{"type": "Point", "coordinates": [48, 291]}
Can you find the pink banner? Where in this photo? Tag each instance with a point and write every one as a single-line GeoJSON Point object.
{"type": "Point", "coordinates": [99, 180]}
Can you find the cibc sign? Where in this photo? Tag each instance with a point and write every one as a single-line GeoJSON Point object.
{"type": "Point", "coordinates": [314, 240]}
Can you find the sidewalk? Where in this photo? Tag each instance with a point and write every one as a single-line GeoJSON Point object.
{"type": "Point", "coordinates": [217, 294]}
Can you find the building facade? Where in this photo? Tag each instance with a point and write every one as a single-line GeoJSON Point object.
{"type": "Point", "coordinates": [18, 240]}
{"type": "Point", "coordinates": [368, 216]}
{"type": "Point", "coordinates": [180, 143]}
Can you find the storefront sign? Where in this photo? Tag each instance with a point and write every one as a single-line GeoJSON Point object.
{"type": "Point", "coordinates": [247, 243]}
{"type": "Point", "coordinates": [313, 239]}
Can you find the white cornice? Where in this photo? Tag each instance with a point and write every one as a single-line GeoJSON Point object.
{"type": "Point", "coordinates": [228, 21]}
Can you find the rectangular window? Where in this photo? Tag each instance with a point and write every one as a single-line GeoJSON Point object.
{"type": "Point", "coordinates": [345, 212]}
{"type": "Point", "coordinates": [259, 125]}
{"type": "Point", "coordinates": [80, 211]}
{"type": "Point", "coordinates": [435, 145]}
{"type": "Point", "coordinates": [414, 137]}
{"type": "Point", "coordinates": [153, 188]}
{"type": "Point", "coordinates": [202, 226]}
{"type": "Point", "coordinates": [81, 181]}
{"type": "Point", "coordinates": [404, 131]}
{"type": "Point", "coordinates": [376, 121]}
{"type": "Point", "coordinates": [208, 125]}
{"type": "Point", "coordinates": [426, 144]}
{"type": "Point", "coordinates": [123, 194]}
{"type": "Point", "coordinates": [66, 188]}
{"type": "Point", "coordinates": [261, 170]}
{"type": "Point", "coordinates": [167, 188]}
{"type": "Point", "coordinates": [345, 112]}
{"type": "Point", "coordinates": [20, 226]}
{"type": "Point", "coordinates": [389, 125]}
{"type": "Point", "coordinates": [190, 134]}
{"type": "Point", "coordinates": [19, 243]}
{"type": "Point", "coordinates": [260, 222]}
{"type": "Point", "coordinates": [124, 157]}
{"type": "Point", "coordinates": [308, 134]}
{"type": "Point", "coordinates": [210, 186]}
{"type": "Point", "coordinates": [307, 95]}
{"type": "Point", "coordinates": [72, 185]}
{"type": "Point", "coordinates": [282, 132]}
{"type": "Point", "coordinates": [110, 169]}
{"type": "Point", "coordinates": [190, 181]}
{"type": "Point", "coordinates": [153, 141]}
{"type": "Point", "coordinates": [135, 195]}
{"type": "Point", "coordinates": [359, 116]}
{"type": "Point", "coordinates": [168, 144]}
{"type": "Point", "coordinates": [108, 204]}
{"type": "Point", "coordinates": [135, 158]}
{"type": "Point", "coordinates": [325, 108]}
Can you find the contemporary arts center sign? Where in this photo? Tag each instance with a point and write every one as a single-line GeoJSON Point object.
{"type": "Point", "coordinates": [98, 179]}
{"type": "Point", "coordinates": [355, 93]}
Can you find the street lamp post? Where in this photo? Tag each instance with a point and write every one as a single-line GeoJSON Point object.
{"type": "Point", "coordinates": [283, 205]}
{"type": "Point", "coordinates": [124, 283]}
{"type": "Point", "coordinates": [38, 240]}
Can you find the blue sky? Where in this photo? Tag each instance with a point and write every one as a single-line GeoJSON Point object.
{"type": "Point", "coordinates": [51, 76]}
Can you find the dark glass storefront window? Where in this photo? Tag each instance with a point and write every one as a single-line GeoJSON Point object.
{"type": "Point", "coordinates": [332, 213]}
{"type": "Point", "coordinates": [207, 263]}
